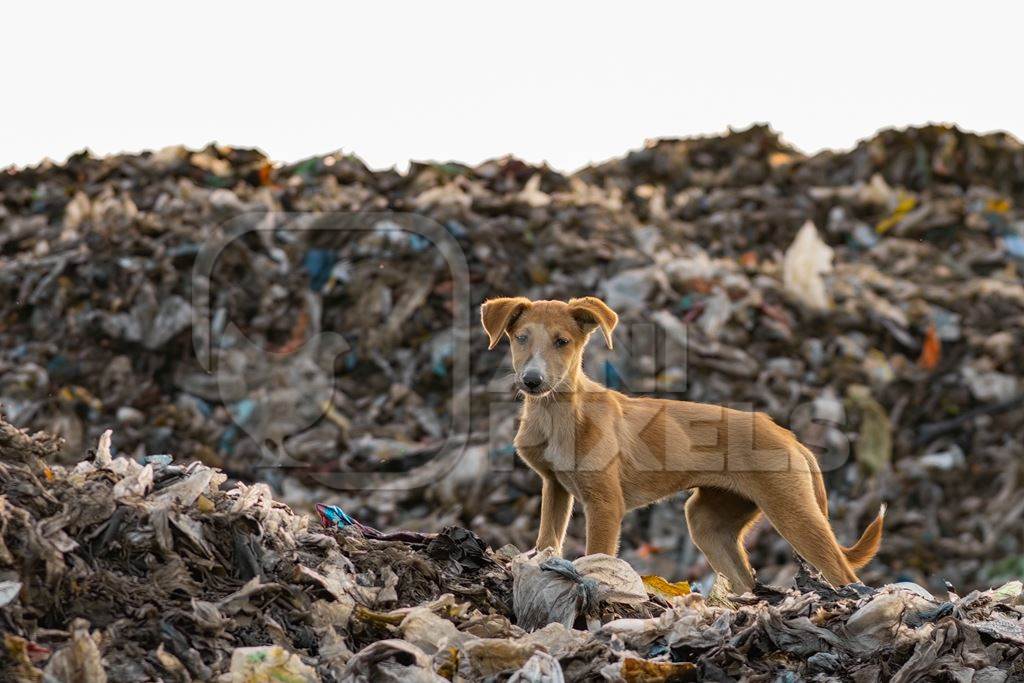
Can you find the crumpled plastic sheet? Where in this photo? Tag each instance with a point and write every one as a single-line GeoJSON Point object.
{"type": "Point", "coordinates": [548, 589]}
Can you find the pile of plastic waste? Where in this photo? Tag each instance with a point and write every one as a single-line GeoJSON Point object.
{"type": "Point", "coordinates": [290, 323]}
{"type": "Point", "coordinates": [130, 569]}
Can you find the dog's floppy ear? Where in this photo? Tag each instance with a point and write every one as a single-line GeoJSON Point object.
{"type": "Point", "coordinates": [498, 314]}
{"type": "Point", "coordinates": [591, 313]}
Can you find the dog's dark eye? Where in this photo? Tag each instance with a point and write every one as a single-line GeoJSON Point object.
{"type": "Point", "coordinates": [521, 338]}
{"type": "Point", "coordinates": [560, 342]}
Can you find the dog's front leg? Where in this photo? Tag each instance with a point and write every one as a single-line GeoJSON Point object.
{"type": "Point", "coordinates": [604, 522]}
{"type": "Point", "coordinates": [555, 507]}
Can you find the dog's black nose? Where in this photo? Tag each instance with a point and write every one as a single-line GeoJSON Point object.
{"type": "Point", "coordinates": [532, 379]}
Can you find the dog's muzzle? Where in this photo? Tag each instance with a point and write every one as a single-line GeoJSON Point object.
{"type": "Point", "coordinates": [532, 382]}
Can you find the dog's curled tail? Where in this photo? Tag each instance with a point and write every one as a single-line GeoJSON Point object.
{"type": "Point", "coordinates": [861, 552]}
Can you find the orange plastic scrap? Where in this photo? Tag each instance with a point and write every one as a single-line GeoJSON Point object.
{"type": "Point", "coordinates": [298, 335]}
{"type": "Point", "coordinates": [931, 351]}
{"type": "Point", "coordinates": [646, 671]}
{"type": "Point", "coordinates": [776, 159]}
{"type": "Point", "coordinates": [646, 550]}
{"type": "Point", "coordinates": [906, 204]}
{"type": "Point", "coordinates": [658, 586]}
{"type": "Point", "coordinates": [999, 205]}
{"type": "Point", "coordinates": [265, 170]}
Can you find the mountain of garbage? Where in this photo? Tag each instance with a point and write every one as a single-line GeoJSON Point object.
{"type": "Point", "coordinates": [121, 570]}
{"type": "Point", "coordinates": [298, 325]}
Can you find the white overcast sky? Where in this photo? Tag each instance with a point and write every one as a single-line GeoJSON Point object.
{"type": "Point", "coordinates": [568, 83]}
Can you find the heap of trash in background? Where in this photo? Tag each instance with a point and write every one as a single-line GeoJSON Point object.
{"type": "Point", "coordinates": [871, 300]}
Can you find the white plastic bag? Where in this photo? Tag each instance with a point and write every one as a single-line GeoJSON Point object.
{"type": "Point", "coordinates": [807, 260]}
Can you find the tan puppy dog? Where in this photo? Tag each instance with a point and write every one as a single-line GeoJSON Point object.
{"type": "Point", "coordinates": [616, 453]}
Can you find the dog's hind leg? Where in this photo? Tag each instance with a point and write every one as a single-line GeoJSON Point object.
{"type": "Point", "coordinates": [789, 504]}
{"type": "Point", "coordinates": [718, 521]}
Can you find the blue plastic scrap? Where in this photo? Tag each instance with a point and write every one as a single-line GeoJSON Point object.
{"type": "Point", "coordinates": [318, 263]}
{"type": "Point", "coordinates": [332, 515]}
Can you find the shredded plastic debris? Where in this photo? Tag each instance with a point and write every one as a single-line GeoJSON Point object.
{"type": "Point", "coordinates": [154, 584]}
